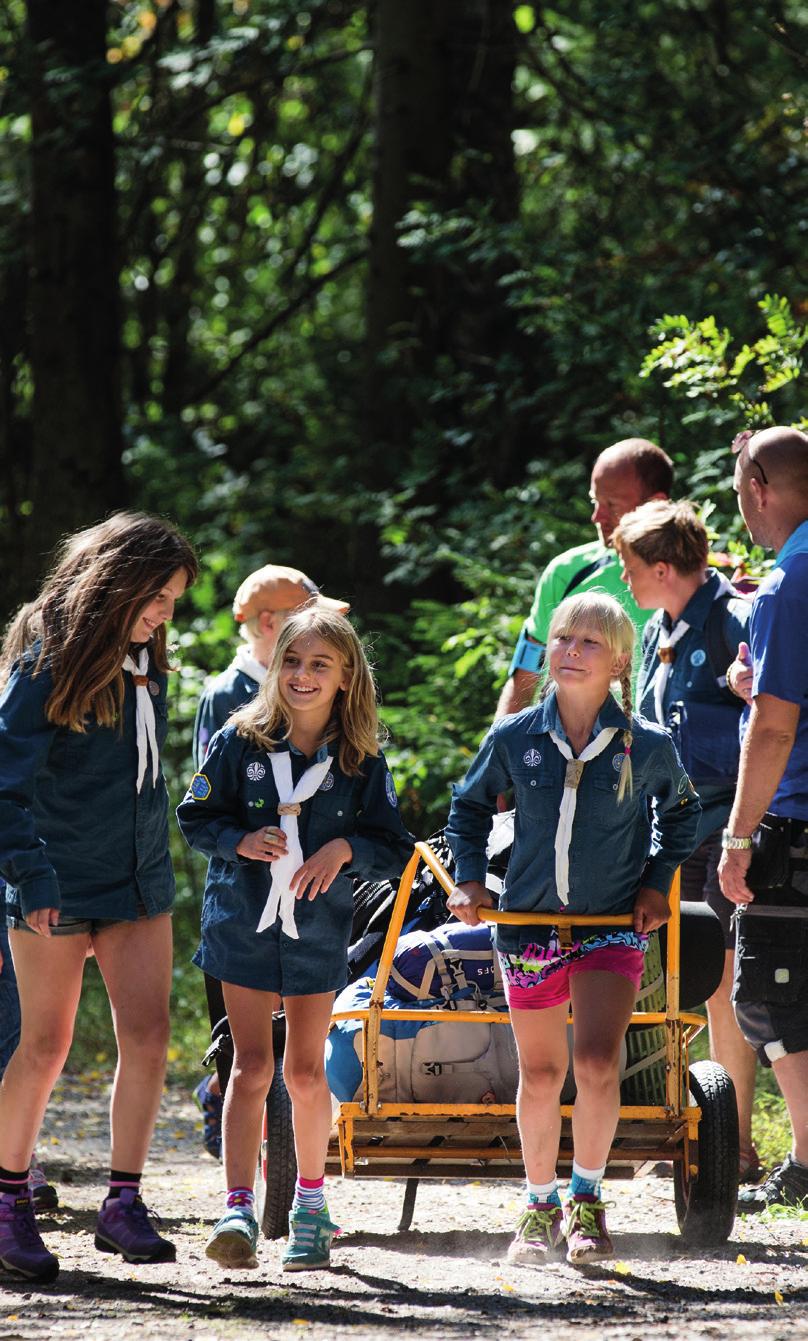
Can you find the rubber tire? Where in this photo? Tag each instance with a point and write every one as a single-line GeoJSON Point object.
{"type": "Point", "coordinates": [277, 1164]}
{"type": "Point", "coordinates": [706, 1204]}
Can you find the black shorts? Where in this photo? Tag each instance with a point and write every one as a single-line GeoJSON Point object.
{"type": "Point", "coordinates": [770, 992]}
{"type": "Point", "coordinates": [699, 876]}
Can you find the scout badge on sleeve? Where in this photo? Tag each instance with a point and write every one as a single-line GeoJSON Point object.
{"type": "Point", "coordinates": [281, 899]}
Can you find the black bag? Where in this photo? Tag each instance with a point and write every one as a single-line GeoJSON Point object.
{"type": "Point", "coordinates": [771, 847]}
{"type": "Point", "coordinates": [706, 736]}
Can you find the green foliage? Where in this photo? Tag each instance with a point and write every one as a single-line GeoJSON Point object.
{"type": "Point", "coordinates": [696, 360]}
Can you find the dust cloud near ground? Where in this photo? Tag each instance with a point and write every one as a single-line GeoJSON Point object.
{"type": "Point", "coordinates": [445, 1278]}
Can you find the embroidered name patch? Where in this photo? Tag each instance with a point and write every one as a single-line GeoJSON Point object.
{"type": "Point", "coordinates": [327, 783]}
{"type": "Point", "coordinates": [200, 787]}
{"type": "Point", "coordinates": [698, 657]}
{"type": "Point", "coordinates": [390, 788]}
{"type": "Point", "coordinates": [617, 762]}
{"type": "Point", "coordinates": [532, 758]}
{"type": "Point", "coordinates": [255, 772]}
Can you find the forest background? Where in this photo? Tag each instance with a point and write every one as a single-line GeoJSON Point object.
{"type": "Point", "coordinates": [364, 288]}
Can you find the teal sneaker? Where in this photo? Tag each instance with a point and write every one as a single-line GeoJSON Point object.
{"type": "Point", "coordinates": [539, 1234]}
{"type": "Point", "coordinates": [309, 1244]}
{"type": "Point", "coordinates": [234, 1239]}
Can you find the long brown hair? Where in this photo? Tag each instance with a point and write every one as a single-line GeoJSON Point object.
{"type": "Point", "coordinates": [81, 622]}
{"type": "Point", "coordinates": [266, 719]}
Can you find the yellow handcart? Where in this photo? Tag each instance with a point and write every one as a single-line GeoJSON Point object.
{"type": "Point", "coordinates": [693, 1124]}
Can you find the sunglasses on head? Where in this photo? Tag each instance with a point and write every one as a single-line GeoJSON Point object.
{"type": "Point", "coordinates": [742, 440]}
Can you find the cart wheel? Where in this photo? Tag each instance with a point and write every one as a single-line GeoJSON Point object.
{"type": "Point", "coordinates": [706, 1202]}
{"type": "Point", "coordinates": [277, 1165]}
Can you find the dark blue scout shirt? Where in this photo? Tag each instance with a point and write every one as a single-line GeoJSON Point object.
{"type": "Point", "coordinates": [692, 679]}
{"type": "Point", "coordinates": [75, 833]}
{"type": "Point", "coordinates": [779, 645]}
{"type": "Point", "coordinates": [230, 690]}
{"type": "Point", "coordinates": [616, 847]}
{"type": "Point", "coordinates": [235, 794]}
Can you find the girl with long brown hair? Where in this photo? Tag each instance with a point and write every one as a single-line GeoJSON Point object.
{"type": "Point", "coordinates": [84, 852]}
{"type": "Point", "coordinates": [294, 799]}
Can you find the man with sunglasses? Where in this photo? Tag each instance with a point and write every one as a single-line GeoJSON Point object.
{"type": "Point", "coordinates": [764, 866]}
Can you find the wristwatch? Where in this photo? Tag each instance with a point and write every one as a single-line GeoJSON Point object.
{"type": "Point", "coordinates": [730, 842]}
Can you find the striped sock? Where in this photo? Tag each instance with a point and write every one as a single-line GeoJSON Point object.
{"type": "Point", "coordinates": [585, 1182]}
{"type": "Point", "coordinates": [13, 1182]}
{"type": "Point", "coordinates": [241, 1196]}
{"type": "Point", "coordinates": [119, 1179]}
{"type": "Point", "coordinates": [309, 1194]}
{"type": "Point", "coordinates": [545, 1194]}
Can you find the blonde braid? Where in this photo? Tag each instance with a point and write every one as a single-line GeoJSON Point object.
{"type": "Point", "coordinates": [626, 783]}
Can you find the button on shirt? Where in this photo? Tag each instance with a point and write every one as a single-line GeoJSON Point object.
{"type": "Point", "coordinates": [75, 833]}
{"type": "Point", "coordinates": [616, 847]}
{"type": "Point", "coordinates": [692, 679]}
{"type": "Point", "coordinates": [778, 641]}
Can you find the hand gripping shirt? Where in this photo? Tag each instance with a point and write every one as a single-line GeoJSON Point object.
{"type": "Point", "coordinates": [615, 847]}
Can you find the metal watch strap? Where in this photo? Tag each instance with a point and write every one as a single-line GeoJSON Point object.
{"type": "Point", "coordinates": [731, 842]}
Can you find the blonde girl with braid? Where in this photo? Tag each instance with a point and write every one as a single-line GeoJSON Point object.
{"type": "Point", "coordinates": [604, 813]}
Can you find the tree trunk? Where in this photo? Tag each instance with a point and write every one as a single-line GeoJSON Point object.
{"type": "Point", "coordinates": [74, 301]}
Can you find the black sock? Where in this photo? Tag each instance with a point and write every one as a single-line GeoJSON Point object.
{"type": "Point", "coordinates": [13, 1183]}
{"type": "Point", "coordinates": [119, 1179]}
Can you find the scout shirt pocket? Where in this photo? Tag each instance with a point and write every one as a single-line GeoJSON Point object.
{"type": "Point", "coordinates": [599, 803]}
{"type": "Point", "coordinates": [333, 810]}
{"type": "Point", "coordinates": [537, 793]}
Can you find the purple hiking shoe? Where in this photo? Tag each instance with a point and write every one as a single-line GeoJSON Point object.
{"type": "Point", "coordinates": [22, 1251]}
{"type": "Point", "coordinates": [123, 1226]}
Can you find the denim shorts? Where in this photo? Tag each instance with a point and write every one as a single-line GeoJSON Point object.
{"type": "Point", "coordinates": [72, 926]}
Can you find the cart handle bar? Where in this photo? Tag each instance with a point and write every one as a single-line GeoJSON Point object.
{"type": "Point", "coordinates": [522, 919]}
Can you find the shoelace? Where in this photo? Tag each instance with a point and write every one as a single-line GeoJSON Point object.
{"type": "Point", "coordinates": [534, 1223]}
{"type": "Point", "coordinates": [583, 1215]}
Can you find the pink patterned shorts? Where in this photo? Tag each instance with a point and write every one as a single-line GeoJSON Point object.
{"type": "Point", "coordinates": [548, 984]}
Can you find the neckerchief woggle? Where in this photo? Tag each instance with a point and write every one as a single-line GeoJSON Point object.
{"type": "Point", "coordinates": [145, 725]}
{"type": "Point", "coordinates": [569, 802]}
{"type": "Point", "coordinates": [281, 898]}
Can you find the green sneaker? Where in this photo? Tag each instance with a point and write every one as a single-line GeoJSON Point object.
{"type": "Point", "coordinates": [234, 1239]}
{"type": "Point", "coordinates": [539, 1234]}
{"type": "Point", "coordinates": [309, 1244]}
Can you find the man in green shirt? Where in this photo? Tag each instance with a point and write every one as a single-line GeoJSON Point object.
{"type": "Point", "coordinates": [625, 475]}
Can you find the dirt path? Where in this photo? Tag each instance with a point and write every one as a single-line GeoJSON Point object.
{"type": "Point", "coordinates": [445, 1278]}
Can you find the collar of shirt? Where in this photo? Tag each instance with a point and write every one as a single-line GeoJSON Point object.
{"type": "Point", "coordinates": [797, 543]}
{"type": "Point", "coordinates": [319, 755]}
{"type": "Point", "coordinates": [698, 607]}
{"type": "Point", "coordinates": [546, 717]}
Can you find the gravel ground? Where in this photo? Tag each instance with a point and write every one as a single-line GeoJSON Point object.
{"type": "Point", "coordinates": [445, 1278]}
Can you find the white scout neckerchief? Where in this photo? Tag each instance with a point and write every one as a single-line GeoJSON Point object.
{"type": "Point", "coordinates": [281, 898]}
{"type": "Point", "coordinates": [246, 662]}
{"type": "Point", "coordinates": [145, 726]}
{"type": "Point", "coordinates": [569, 801]}
{"type": "Point", "coordinates": [666, 654]}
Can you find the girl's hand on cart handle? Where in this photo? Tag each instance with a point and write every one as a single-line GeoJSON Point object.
{"type": "Point", "coordinates": [42, 919]}
{"type": "Point", "coordinates": [320, 868]}
{"type": "Point", "coordinates": [265, 844]}
{"type": "Point", "coordinates": [651, 909]}
{"type": "Point", "coordinates": [465, 899]}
